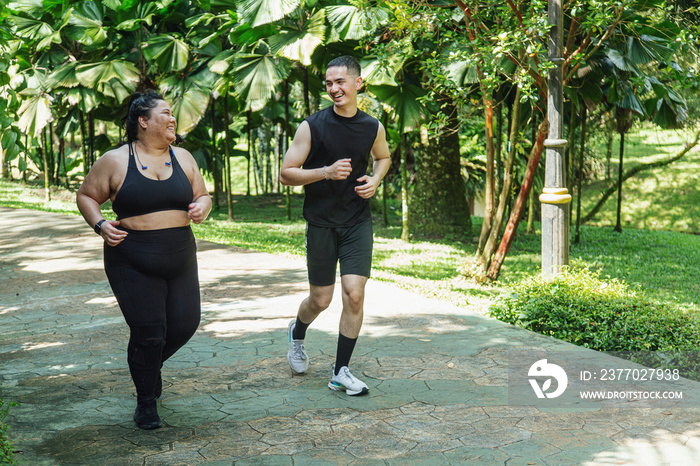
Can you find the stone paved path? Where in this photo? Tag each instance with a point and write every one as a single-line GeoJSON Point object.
{"type": "Point", "coordinates": [438, 375]}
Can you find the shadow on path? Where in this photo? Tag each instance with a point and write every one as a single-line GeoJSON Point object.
{"type": "Point", "coordinates": [438, 375]}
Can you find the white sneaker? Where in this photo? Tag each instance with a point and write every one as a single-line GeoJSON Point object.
{"type": "Point", "coordinates": [297, 358]}
{"type": "Point", "coordinates": [347, 382]}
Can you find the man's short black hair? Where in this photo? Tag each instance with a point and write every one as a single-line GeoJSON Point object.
{"type": "Point", "coordinates": [348, 62]}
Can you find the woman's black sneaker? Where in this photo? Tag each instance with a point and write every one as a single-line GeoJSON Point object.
{"type": "Point", "coordinates": [146, 416]}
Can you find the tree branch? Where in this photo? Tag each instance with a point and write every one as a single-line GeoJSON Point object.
{"type": "Point", "coordinates": [605, 37]}
{"type": "Point", "coordinates": [573, 30]}
{"type": "Point", "coordinates": [517, 211]}
{"type": "Point", "coordinates": [534, 74]}
{"type": "Point", "coordinates": [517, 13]}
{"type": "Point", "coordinates": [467, 17]}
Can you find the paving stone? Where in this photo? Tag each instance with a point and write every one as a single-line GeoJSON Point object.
{"type": "Point", "coordinates": [271, 460]}
{"type": "Point", "coordinates": [438, 374]}
{"type": "Point", "coordinates": [476, 456]}
{"type": "Point", "coordinates": [233, 449]}
{"type": "Point", "coordinates": [380, 444]}
{"type": "Point", "coordinates": [494, 439]}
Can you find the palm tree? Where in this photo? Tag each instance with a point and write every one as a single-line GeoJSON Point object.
{"type": "Point", "coordinates": [628, 82]}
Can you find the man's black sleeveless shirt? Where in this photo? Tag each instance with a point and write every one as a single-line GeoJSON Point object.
{"type": "Point", "coordinates": [334, 203]}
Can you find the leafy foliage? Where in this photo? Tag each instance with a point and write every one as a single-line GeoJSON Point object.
{"type": "Point", "coordinates": [601, 314]}
{"type": "Point", "coordinates": [67, 68]}
{"type": "Point", "coordinates": [6, 448]}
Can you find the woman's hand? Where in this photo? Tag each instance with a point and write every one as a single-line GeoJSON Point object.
{"type": "Point", "coordinates": [197, 213]}
{"type": "Point", "coordinates": [111, 234]}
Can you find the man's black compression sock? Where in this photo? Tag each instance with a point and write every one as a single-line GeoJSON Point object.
{"type": "Point", "coordinates": [345, 348]}
{"type": "Point", "coordinates": [299, 332]}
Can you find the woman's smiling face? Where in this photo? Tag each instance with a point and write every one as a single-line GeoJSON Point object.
{"type": "Point", "coordinates": [162, 120]}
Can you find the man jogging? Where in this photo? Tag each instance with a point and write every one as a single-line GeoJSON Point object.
{"type": "Point", "coordinates": [329, 156]}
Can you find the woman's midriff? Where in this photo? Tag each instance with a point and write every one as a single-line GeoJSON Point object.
{"type": "Point", "coordinates": [157, 220]}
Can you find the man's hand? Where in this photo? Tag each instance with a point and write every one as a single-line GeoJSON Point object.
{"type": "Point", "coordinates": [340, 170]}
{"type": "Point", "coordinates": [367, 190]}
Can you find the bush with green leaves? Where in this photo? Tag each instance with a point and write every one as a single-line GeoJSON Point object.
{"type": "Point", "coordinates": [579, 307]}
{"type": "Point", "coordinates": [7, 455]}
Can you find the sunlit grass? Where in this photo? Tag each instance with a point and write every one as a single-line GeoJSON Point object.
{"type": "Point", "coordinates": [665, 198]}
{"type": "Point", "coordinates": [31, 195]}
{"type": "Point", "coordinates": [659, 263]}
{"type": "Point", "coordinates": [420, 260]}
{"type": "Point", "coordinates": [275, 238]}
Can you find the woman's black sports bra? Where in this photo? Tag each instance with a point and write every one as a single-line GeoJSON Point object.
{"type": "Point", "coordinates": [140, 195]}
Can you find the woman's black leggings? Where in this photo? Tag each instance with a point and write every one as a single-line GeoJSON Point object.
{"type": "Point", "coordinates": [153, 275]}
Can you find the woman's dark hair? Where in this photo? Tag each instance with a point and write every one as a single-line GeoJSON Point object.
{"type": "Point", "coordinates": [139, 105]}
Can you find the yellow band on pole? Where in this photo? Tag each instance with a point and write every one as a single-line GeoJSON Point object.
{"type": "Point", "coordinates": [555, 196]}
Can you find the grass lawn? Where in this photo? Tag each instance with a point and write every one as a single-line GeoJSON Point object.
{"type": "Point", "coordinates": [662, 264]}
{"type": "Point", "coordinates": [666, 198]}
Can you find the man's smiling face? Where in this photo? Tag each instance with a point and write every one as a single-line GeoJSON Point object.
{"type": "Point", "coordinates": [342, 86]}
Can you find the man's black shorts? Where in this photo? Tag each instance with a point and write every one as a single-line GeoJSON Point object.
{"type": "Point", "coordinates": [325, 246]}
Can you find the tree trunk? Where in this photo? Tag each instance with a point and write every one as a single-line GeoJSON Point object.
{"type": "Point", "coordinates": [307, 101]}
{"type": "Point", "coordinates": [25, 155]}
{"type": "Point", "coordinates": [215, 169]}
{"type": "Point", "coordinates": [83, 144]}
{"type": "Point", "coordinates": [249, 131]}
{"type": "Point", "coordinates": [254, 151]}
{"type": "Point", "coordinates": [579, 178]}
{"type": "Point", "coordinates": [504, 198]}
{"type": "Point", "coordinates": [6, 172]}
{"type": "Point", "coordinates": [525, 188]}
{"type": "Point", "coordinates": [53, 160]}
{"type": "Point", "coordinates": [227, 160]}
{"type": "Point", "coordinates": [498, 146]}
{"type": "Point", "coordinates": [618, 225]}
{"type": "Point", "coordinates": [279, 153]}
{"type": "Point", "coordinates": [489, 193]}
{"type": "Point", "coordinates": [569, 159]}
{"type": "Point", "coordinates": [62, 158]}
{"type": "Point", "coordinates": [571, 149]}
{"type": "Point", "coordinates": [47, 176]}
{"type": "Point", "coordinates": [608, 151]}
{"type": "Point", "coordinates": [439, 202]}
{"type": "Point", "coordinates": [267, 132]}
{"type": "Point", "coordinates": [403, 171]}
{"type": "Point", "coordinates": [6, 167]}
{"type": "Point", "coordinates": [531, 198]}
{"type": "Point", "coordinates": [287, 190]}
{"type": "Point", "coordinates": [530, 212]}
{"type": "Point", "coordinates": [385, 214]}
{"type": "Point", "coordinates": [261, 160]}
{"type": "Point", "coordinates": [91, 140]}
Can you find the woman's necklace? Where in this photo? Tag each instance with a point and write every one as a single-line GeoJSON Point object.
{"type": "Point", "coordinates": [143, 167]}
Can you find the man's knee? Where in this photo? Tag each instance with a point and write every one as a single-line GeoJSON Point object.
{"type": "Point", "coordinates": [319, 302]}
{"type": "Point", "coordinates": [320, 298]}
{"type": "Point", "coordinates": [354, 298]}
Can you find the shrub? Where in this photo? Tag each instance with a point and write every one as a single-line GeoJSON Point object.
{"type": "Point", "coordinates": [605, 315]}
{"type": "Point", "coordinates": [6, 447]}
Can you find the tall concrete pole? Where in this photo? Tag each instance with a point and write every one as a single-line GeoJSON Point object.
{"type": "Point", "coordinates": [555, 198]}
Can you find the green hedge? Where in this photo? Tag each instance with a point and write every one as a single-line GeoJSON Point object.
{"type": "Point", "coordinates": [605, 315]}
{"type": "Point", "coordinates": [7, 455]}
